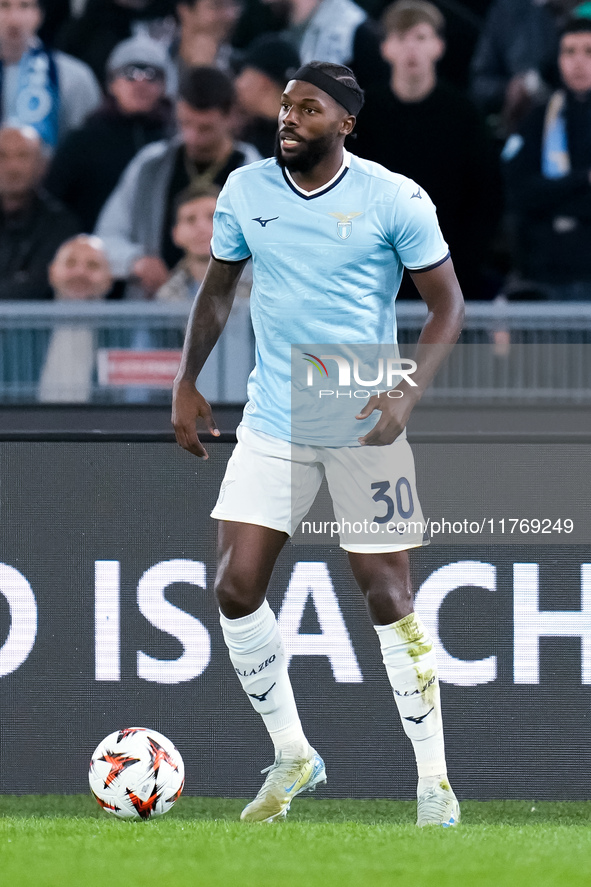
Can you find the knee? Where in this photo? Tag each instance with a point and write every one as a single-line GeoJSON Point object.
{"type": "Point", "coordinates": [382, 573]}
{"type": "Point", "coordinates": [385, 583]}
{"type": "Point", "coordinates": [398, 598]}
{"type": "Point", "coordinates": [237, 593]}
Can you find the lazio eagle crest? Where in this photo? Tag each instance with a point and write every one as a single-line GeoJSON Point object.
{"type": "Point", "coordinates": [344, 223]}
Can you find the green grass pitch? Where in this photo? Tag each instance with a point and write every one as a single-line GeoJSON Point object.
{"type": "Point", "coordinates": [57, 841]}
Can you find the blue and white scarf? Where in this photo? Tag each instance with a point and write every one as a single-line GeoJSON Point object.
{"type": "Point", "coordinates": [555, 154]}
{"type": "Point", "coordinates": [37, 99]}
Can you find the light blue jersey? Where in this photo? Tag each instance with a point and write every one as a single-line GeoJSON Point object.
{"type": "Point", "coordinates": [327, 266]}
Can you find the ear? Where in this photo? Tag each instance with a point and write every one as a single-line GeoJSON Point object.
{"type": "Point", "coordinates": [442, 48]}
{"type": "Point", "coordinates": [174, 236]}
{"type": "Point", "coordinates": [51, 272]}
{"type": "Point", "coordinates": [386, 49]}
{"type": "Point", "coordinates": [347, 125]}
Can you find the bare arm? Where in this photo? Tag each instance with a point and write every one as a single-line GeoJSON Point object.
{"type": "Point", "coordinates": [207, 320]}
{"type": "Point", "coordinates": [441, 292]}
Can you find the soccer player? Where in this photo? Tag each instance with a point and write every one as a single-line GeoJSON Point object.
{"type": "Point", "coordinates": [329, 235]}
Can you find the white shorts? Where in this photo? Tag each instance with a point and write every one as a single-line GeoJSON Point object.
{"type": "Point", "coordinates": [273, 483]}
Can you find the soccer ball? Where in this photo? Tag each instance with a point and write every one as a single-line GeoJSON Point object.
{"type": "Point", "coordinates": [136, 773]}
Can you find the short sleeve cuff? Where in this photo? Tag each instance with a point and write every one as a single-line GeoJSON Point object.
{"type": "Point", "coordinates": [227, 261]}
{"type": "Point", "coordinates": [431, 266]}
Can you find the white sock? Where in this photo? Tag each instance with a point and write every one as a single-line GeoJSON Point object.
{"type": "Point", "coordinates": [409, 658]}
{"type": "Point", "coordinates": [258, 657]}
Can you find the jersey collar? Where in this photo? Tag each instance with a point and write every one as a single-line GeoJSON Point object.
{"type": "Point", "coordinates": [317, 192]}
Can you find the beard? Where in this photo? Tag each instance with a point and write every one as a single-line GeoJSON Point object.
{"type": "Point", "coordinates": [313, 152]}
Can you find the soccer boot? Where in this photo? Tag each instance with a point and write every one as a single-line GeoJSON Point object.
{"type": "Point", "coordinates": [287, 778]}
{"type": "Point", "coordinates": [437, 805]}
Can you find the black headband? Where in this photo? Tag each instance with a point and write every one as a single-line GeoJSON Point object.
{"type": "Point", "coordinates": [337, 90]}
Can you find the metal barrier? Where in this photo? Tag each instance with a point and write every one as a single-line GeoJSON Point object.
{"type": "Point", "coordinates": [523, 352]}
{"type": "Point", "coordinates": [527, 351]}
{"type": "Point", "coordinates": [32, 332]}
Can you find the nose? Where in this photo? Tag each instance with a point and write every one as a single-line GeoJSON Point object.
{"type": "Point", "coordinates": [192, 136]}
{"type": "Point", "coordinates": [290, 118]}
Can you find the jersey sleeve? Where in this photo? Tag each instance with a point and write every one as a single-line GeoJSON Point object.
{"type": "Point", "coordinates": [416, 235]}
{"type": "Point", "coordinates": [227, 243]}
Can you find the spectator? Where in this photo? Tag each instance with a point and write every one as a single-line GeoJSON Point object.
{"type": "Point", "coordinates": [514, 64]}
{"type": "Point", "coordinates": [106, 23]}
{"type": "Point", "coordinates": [192, 233]}
{"type": "Point", "coordinates": [429, 131]}
{"type": "Point", "coordinates": [90, 160]}
{"type": "Point", "coordinates": [266, 67]}
{"type": "Point", "coordinates": [32, 224]}
{"type": "Point", "coordinates": [232, 358]}
{"type": "Point", "coordinates": [336, 31]}
{"type": "Point", "coordinates": [464, 20]}
{"type": "Point", "coordinates": [548, 172]}
{"type": "Point", "coordinates": [50, 91]}
{"type": "Point", "coordinates": [138, 217]}
{"type": "Point", "coordinates": [205, 30]}
{"type": "Point", "coordinates": [79, 272]}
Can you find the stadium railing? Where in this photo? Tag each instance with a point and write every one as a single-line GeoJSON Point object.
{"type": "Point", "coordinates": [526, 351]}
{"type": "Point", "coordinates": [151, 330]}
{"type": "Point", "coordinates": [521, 352]}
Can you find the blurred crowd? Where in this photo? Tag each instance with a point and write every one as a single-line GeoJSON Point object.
{"type": "Point", "coordinates": [121, 120]}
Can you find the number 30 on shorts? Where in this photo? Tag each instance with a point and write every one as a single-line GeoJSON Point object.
{"type": "Point", "coordinates": [402, 492]}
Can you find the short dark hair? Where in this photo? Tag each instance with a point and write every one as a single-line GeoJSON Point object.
{"type": "Point", "coordinates": [193, 3]}
{"type": "Point", "coordinates": [576, 25]}
{"type": "Point", "coordinates": [194, 192]}
{"type": "Point", "coordinates": [205, 88]}
{"type": "Point", "coordinates": [341, 73]}
{"type": "Point", "coordinates": [403, 15]}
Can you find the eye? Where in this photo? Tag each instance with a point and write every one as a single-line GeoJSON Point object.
{"type": "Point", "coordinates": [310, 110]}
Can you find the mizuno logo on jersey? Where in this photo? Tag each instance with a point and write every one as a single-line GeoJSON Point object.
{"type": "Point", "coordinates": [264, 222]}
{"type": "Point", "coordinates": [344, 223]}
